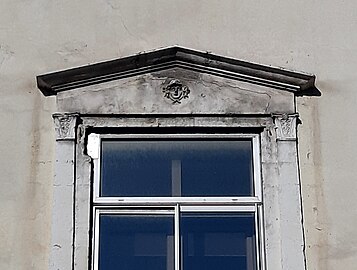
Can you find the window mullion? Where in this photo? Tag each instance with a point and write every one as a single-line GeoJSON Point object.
{"type": "Point", "coordinates": [176, 177]}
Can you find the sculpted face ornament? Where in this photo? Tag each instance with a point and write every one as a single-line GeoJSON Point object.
{"type": "Point", "coordinates": [176, 91]}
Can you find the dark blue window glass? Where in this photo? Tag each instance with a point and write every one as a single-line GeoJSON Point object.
{"type": "Point", "coordinates": [176, 168]}
{"type": "Point", "coordinates": [136, 242]}
{"type": "Point", "coordinates": [218, 241]}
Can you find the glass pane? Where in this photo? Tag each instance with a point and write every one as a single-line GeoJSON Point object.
{"type": "Point", "coordinates": [135, 168]}
{"type": "Point", "coordinates": [136, 242]}
{"type": "Point", "coordinates": [218, 241]}
{"type": "Point", "coordinates": [177, 168]}
{"type": "Point", "coordinates": [217, 168]}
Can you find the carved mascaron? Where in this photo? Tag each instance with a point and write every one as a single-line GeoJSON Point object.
{"type": "Point", "coordinates": [176, 91]}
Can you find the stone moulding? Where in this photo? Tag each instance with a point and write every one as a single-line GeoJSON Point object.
{"type": "Point", "coordinates": [157, 60]}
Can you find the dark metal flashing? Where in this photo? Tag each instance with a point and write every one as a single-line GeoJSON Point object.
{"type": "Point", "coordinates": [299, 83]}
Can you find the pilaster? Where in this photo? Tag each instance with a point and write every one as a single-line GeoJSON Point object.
{"type": "Point", "coordinates": [63, 192]}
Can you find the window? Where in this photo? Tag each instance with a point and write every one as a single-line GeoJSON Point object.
{"type": "Point", "coordinates": [170, 202]}
{"type": "Point", "coordinates": [192, 199]}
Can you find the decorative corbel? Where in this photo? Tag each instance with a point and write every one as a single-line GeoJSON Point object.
{"type": "Point", "coordinates": [285, 126]}
{"type": "Point", "coordinates": [65, 126]}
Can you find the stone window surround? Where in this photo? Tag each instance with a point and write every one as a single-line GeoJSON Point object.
{"type": "Point", "coordinates": [72, 186]}
{"type": "Point", "coordinates": [284, 246]}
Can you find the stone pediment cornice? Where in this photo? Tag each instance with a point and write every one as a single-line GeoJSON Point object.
{"type": "Point", "coordinates": [177, 57]}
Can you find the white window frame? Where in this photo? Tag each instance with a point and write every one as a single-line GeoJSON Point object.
{"type": "Point", "coordinates": [176, 205]}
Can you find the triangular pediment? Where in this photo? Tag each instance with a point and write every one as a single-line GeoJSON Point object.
{"type": "Point", "coordinates": [176, 81]}
{"type": "Point", "coordinates": [177, 57]}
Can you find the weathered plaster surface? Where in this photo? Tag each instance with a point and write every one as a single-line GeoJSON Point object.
{"type": "Point", "coordinates": [41, 36]}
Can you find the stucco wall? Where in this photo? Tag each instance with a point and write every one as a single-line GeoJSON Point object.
{"type": "Point", "coordinates": [318, 37]}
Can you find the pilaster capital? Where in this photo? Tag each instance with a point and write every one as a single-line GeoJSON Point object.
{"type": "Point", "coordinates": [65, 125]}
{"type": "Point", "coordinates": [285, 126]}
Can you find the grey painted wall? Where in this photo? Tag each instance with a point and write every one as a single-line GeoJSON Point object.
{"type": "Point", "coordinates": [40, 36]}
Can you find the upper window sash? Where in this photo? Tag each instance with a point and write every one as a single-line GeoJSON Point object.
{"type": "Point", "coordinates": [94, 150]}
